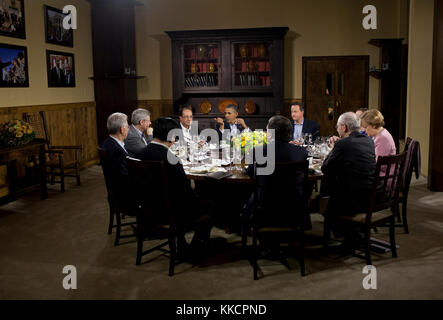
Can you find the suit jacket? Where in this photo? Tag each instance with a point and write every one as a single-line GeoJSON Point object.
{"type": "Point", "coordinates": [134, 143]}
{"type": "Point", "coordinates": [274, 192]}
{"type": "Point", "coordinates": [310, 126]}
{"type": "Point", "coordinates": [348, 173]}
{"type": "Point", "coordinates": [116, 164]}
{"type": "Point", "coordinates": [227, 126]}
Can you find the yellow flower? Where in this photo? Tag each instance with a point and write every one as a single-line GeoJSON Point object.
{"type": "Point", "coordinates": [19, 134]}
{"type": "Point", "coordinates": [243, 143]}
{"type": "Point", "coordinates": [29, 131]}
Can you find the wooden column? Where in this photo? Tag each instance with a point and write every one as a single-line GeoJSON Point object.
{"type": "Point", "coordinates": [435, 181]}
{"type": "Point", "coordinates": [113, 36]}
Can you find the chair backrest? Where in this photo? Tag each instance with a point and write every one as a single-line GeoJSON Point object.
{"type": "Point", "coordinates": [149, 191]}
{"type": "Point", "coordinates": [286, 192]}
{"type": "Point", "coordinates": [412, 148]}
{"type": "Point", "coordinates": [105, 168]}
{"type": "Point", "coordinates": [38, 122]}
{"type": "Point", "coordinates": [386, 186]}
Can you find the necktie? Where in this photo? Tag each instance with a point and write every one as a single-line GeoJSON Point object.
{"type": "Point", "coordinates": [143, 138]}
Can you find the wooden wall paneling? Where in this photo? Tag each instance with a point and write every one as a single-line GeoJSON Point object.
{"type": "Point", "coordinates": [68, 124]}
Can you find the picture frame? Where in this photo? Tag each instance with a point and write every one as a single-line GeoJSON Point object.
{"type": "Point", "coordinates": [13, 66]}
{"type": "Point", "coordinates": [12, 19]}
{"type": "Point", "coordinates": [54, 31]}
{"type": "Point", "coordinates": [60, 69]}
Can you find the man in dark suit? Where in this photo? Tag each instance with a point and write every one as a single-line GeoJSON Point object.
{"type": "Point", "coordinates": [116, 154]}
{"type": "Point", "coordinates": [187, 207]}
{"type": "Point", "coordinates": [302, 126]}
{"type": "Point", "coordinates": [348, 169]}
{"type": "Point", "coordinates": [136, 141]}
{"type": "Point", "coordinates": [284, 152]}
{"type": "Point", "coordinates": [231, 122]}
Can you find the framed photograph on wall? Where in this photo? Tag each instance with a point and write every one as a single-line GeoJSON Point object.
{"type": "Point", "coordinates": [12, 18]}
{"type": "Point", "coordinates": [13, 66]}
{"type": "Point", "coordinates": [60, 69]}
{"type": "Point", "coordinates": [54, 31]}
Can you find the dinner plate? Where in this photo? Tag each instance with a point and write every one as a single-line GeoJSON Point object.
{"type": "Point", "coordinates": [222, 105]}
{"type": "Point", "coordinates": [199, 169]}
{"type": "Point", "coordinates": [205, 107]}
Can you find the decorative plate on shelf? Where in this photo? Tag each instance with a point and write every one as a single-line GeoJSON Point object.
{"type": "Point", "coordinates": [222, 105]}
{"type": "Point", "coordinates": [250, 107]}
{"type": "Point", "coordinates": [205, 107]}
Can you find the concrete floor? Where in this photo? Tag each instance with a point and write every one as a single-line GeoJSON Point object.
{"type": "Point", "coordinates": [38, 238]}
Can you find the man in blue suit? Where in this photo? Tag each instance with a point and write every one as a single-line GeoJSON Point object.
{"type": "Point", "coordinates": [302, 126]}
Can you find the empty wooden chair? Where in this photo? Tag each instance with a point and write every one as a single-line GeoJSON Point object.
{"type": "Point", "coordinates": [63, 161]}
{"type": "Point", "coordinates": [412, 163]}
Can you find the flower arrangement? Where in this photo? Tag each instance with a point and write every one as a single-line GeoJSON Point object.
{"type": "Point", "coordinates": [248, 140]}
{"type": "Point", "coordinates": [16, 133]}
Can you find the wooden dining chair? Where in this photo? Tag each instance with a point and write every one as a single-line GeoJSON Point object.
{"type": "Point", "coordinates": [383, 197]}
{"type": "Point", "coordinates": [63, 161]}
{"type": "Point", "coordinates": [117, 209]}
{"type": "Point", "coordinates": [280, 211]}
{"type": "Point", "coordinates": [412, 163]}
{"type": "Point", "coordinates": [151, 201]}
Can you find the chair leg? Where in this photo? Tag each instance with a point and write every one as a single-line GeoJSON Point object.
{"type": "Point", "coordinates": [244, 237]}
{"type": "Point", "coordinates": [111, 220]}
{"type": "Point", "coordinates": [367, 246]}
{"type": "Point", "coordinates": [139, 250]}
{"type": "Point", "coordinates": [119, 226]}
{"type": "Point", "coordinates": [392, 237]}
{"type": "Point", "coordinates": [173, 249]}
{"type": "Point", "coordinates": [302, 254]}
{"type": "Point", "coordinates": [326, 234]}
{"type": "Point", "coordinates": [51, 176]}
{"type": "Point", "coordinates": [397, 212]}
{"type": "Point", "coordinates": [404, 207]}
{"type": "Point", "coordinates": [255, 255]}
{"type": "Point", "coordinates": [62, 180]}
{"type": "Point", "coordinates": [77, 173]}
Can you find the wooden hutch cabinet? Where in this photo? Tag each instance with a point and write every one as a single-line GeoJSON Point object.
{"type": "Point", "coordinates": [212, 68]}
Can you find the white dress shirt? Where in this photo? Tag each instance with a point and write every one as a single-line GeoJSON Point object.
{"type": "Point", "coordinates": [186, 133]}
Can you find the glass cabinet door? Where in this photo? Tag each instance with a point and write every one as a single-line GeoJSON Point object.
{"type": "Point", "coordinates": [252, 65]}
{"type": "Point", "coordinates": [202, 67]}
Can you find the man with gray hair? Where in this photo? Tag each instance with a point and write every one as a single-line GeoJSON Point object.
{"type": "Point", "coordinates": [348, 169]}
{"type": "Point", "coordinates": [116, 153]}
{"type": "Point", "coordinates": [136, 141]}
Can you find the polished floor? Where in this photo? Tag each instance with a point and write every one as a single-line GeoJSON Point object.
{"type": "Point", "coordinates": [38, 238]}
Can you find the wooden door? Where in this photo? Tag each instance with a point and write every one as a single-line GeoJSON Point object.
{"type": "Point", "coordinates": [339, 83]}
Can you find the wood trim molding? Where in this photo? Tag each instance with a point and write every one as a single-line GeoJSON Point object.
{"type": "Point", "coordinates": [46, 107]}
